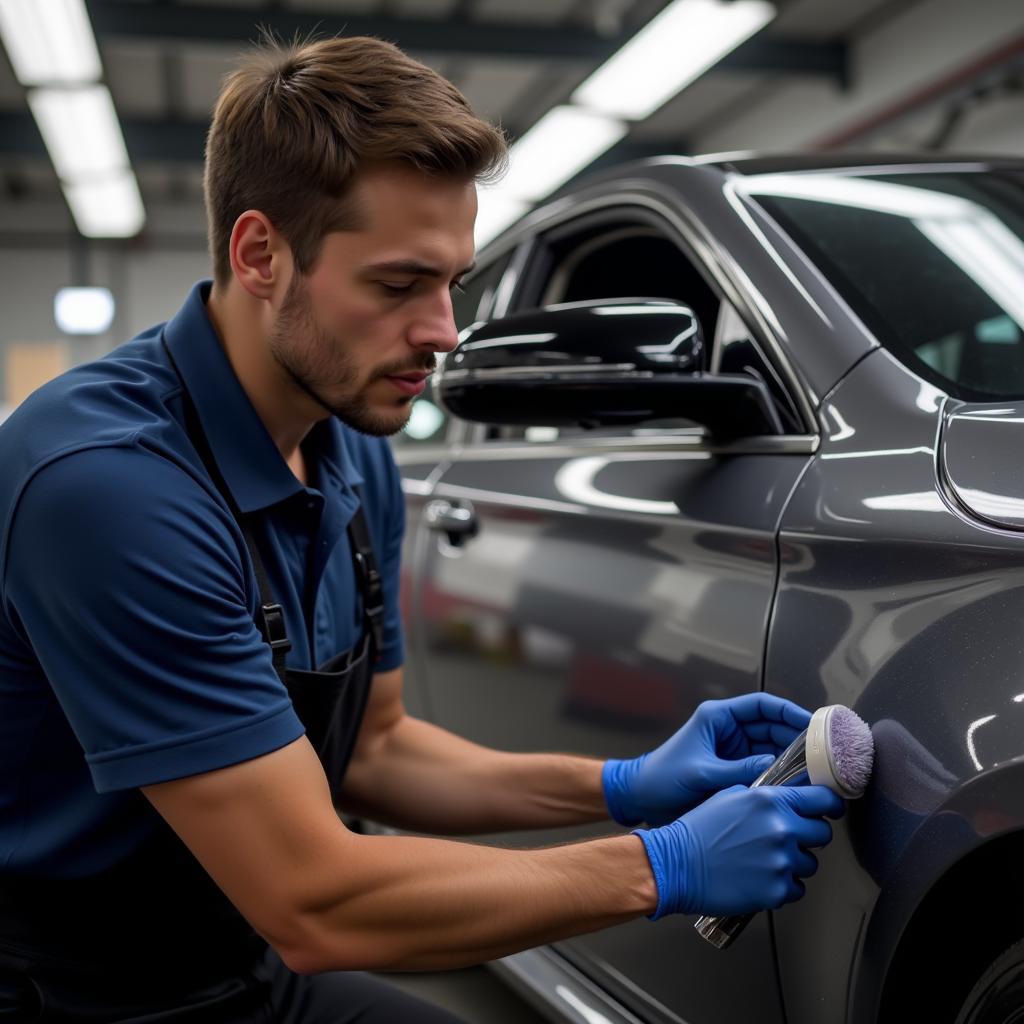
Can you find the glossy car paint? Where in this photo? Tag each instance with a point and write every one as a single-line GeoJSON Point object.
{"type": "Point", "coordinates": [533, 640]}
{"type": "Point", "coordinates": [990, 489]}
{"type": "Point", "coordinates": [894, 601]}
{"type": "Point", "coordinates": [611, 586]}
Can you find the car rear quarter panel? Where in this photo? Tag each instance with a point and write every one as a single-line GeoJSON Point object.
{"type": "Point", "coordinates": [895, 603]}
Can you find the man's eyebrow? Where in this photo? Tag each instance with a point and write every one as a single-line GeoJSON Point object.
{"type": "Point", "coordinates": [412, 267]}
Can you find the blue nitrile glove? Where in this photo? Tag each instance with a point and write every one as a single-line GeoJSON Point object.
{"type": "Point", "coordinates": [725, 743]}
{"type": "Point", "coordinates": [741, 850]}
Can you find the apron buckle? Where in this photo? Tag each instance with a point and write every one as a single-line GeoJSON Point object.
{"type": "Point", "coordinates": [271, 623]}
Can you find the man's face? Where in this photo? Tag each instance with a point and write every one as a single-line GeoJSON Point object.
{"type": "Point", "coordinates": [359, 334]}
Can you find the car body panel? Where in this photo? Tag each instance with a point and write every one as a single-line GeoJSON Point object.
{"type": "Point", "coordinates": [992, 488]}
{"type": "Point", "coordinates": [894, 603]}
{"type": "Point", "coordinates": [529, 644]}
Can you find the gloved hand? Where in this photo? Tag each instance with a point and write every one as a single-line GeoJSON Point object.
{"type": "Point", "coordinates": [741, 850]}
{"type": "Point", "coordinates": [725, 743]}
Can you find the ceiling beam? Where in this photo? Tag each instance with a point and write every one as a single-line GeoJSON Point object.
{"type": "Point", "coordinates": [162, 140]}
{"type": "Point", "coordinates": [171, 141]}
{"type": "Point", "coordinates": [163, 20]}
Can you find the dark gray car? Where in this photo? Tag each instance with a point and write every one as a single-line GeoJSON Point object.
{"type": "Point", "coordinates": [724, 426]}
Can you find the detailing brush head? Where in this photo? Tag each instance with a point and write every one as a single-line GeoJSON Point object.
{"type": "Point", "coordinates": [840, 750]}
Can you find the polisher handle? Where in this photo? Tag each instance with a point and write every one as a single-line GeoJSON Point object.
{"type": "Point", "coordinates": [722, 931]}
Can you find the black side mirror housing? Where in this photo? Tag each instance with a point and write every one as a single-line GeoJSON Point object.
{"type": "Point", "coordinates": [600, 363]}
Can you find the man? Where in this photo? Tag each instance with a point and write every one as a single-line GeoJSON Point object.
{"type": "Point", "coordinates": [200, 646]}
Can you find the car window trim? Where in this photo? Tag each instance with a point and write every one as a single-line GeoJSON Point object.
{"type": "Point", "coordinates": [761, 444]}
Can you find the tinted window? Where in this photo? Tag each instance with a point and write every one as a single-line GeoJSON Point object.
{"type": "Point", "coordinates": [932, 263]}
{"type": "Point", "coordinates": [630, 262]}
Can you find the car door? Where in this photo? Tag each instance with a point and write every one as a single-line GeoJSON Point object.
{"type": "Point", "coordinates": [584, 590]}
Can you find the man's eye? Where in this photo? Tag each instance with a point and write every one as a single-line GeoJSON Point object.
{"type": "Point", "coordinates": [395, 289]}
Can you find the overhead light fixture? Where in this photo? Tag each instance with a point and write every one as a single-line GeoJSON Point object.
{"type": "Point", "coordinates": [53, 52]}
{"type": "Point", "coordinates": [564, 141]}
{"type": "Point", "coordinates": [108, 208]}
{"type": "Point", "coordinates": [670, 52]}
{"type": "Point", "coordinates": [81, 131]}
{"type": "Point", "coordinates": [49, 41]}
{"type": "Point", "coordinates": [83, 310]}
{"type": "Point", "coordinates": [495, 212]}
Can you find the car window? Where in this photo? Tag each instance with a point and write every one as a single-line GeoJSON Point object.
{"type": "Point", "coordinates": [428, 422]}
{"type": "Point", "coordinates": [623, 260]}
{"type": "Point", "coordinates": [932, 263]}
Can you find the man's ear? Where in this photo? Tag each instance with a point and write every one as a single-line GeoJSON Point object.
{"type": "Point", "coordinates": [260, 257]}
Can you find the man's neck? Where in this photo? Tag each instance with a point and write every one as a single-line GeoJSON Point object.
{"type": "Point", "coordinates": [240, 324]}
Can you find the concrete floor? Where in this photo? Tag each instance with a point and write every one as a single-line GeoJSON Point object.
{"type": "Point", "coordinates": [474, 994]}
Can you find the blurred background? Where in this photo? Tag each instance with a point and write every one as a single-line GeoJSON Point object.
{"type": "Point", "coordinates": [104, 106]}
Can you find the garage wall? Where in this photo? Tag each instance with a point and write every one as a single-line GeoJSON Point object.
{"type": "Point", "coordinates": [148, 284]}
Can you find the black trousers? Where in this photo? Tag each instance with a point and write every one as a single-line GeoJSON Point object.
{"type": "Point", "coordinates": [269, 993]}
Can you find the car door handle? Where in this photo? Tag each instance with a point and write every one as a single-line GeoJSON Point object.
{"type": "Point", "coordinates": [457, 522]}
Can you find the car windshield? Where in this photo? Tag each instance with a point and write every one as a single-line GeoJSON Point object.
{"type": "Point", "coordinates": [932, 263]}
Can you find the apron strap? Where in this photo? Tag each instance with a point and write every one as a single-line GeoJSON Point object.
{"type": "Point", "coordinates": [368, 578]}
{"type": "Point", "coordinates": [270, 615]}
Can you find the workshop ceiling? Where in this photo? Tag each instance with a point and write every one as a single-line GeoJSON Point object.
{"type": "Point", "coordinates": [513, 59]}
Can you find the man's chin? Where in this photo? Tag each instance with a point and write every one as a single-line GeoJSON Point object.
{"type": "Point", "coordinates": [374, 425]}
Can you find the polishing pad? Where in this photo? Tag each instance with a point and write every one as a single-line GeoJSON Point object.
{"type": "Point", "coordinates": [840, 751]}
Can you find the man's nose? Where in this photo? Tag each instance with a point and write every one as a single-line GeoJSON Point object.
{"type": "Point", "coordinates": [435, 329]}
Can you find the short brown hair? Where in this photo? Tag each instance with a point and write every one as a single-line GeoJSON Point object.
{"type": "Point", "coordinates": [296, 123]}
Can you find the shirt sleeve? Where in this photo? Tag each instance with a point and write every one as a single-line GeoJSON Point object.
{"type": "Point", "coordinates": [392, 652]}
{"type": "Point", "coordinates": [126, 578]}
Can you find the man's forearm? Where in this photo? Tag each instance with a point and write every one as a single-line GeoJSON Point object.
{"type": "Point", "coordinates": [425, 904]}
{"type": "Point", "coordinates": [420, 777]}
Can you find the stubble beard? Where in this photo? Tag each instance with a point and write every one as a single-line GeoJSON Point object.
{"type": "Point", "coordinates": [317, 364]}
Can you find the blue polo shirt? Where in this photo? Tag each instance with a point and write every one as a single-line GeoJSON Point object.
{"type": "Point", "coordinates": [128, 649]}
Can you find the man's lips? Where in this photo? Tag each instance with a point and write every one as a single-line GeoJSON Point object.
{"type": "Point", "coordinates": [409, 383]}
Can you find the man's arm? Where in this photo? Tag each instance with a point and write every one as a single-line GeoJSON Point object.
{"type": "Point", "coordinates": [326, 898]}
{"type": "Point", "coordinates": [417, 776]}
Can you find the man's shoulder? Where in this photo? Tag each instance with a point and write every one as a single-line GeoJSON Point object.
{"type": "Point", "coordinates": [99, 430]}
{"type": "Point", "coordinates": [103, 403]}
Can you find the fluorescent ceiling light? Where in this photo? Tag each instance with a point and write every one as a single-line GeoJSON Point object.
{"type": "Point", "coordinates": [49, 41]}
{"type": "Point", "coordinates": [81, 131]}
{"type": "Point", "coordinates": [111, 208]}
{"type": "Point", "coordinates": [496, 211]}
{"type": "Point", "coordinates": [83, 310]}
{"type": "Point", "coordinates": [672, 50]}
{"type": "Point", "coordinates": [564, 141]}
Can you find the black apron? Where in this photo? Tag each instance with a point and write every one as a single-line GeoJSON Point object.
{"type": "Point", "coordinates": [154, 938]}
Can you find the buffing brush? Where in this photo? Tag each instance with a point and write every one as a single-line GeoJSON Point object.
{"type": "Point", "coordinates": [835, 750]}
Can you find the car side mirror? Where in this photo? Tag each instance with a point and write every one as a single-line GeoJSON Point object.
{"type": "Point", "coordinates": [600, 363]}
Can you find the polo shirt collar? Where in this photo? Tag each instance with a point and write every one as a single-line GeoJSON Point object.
{"type": "Point", "coordinates": [246, 455]}
{"type": "Point", "coordinates": [326, 442]}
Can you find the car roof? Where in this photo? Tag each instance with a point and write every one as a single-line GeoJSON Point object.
{"type": "Point", "coordinates": [753, 163]}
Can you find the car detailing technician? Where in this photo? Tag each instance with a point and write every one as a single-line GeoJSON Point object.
{"type": "Point", "coordinates": [200, 644]}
